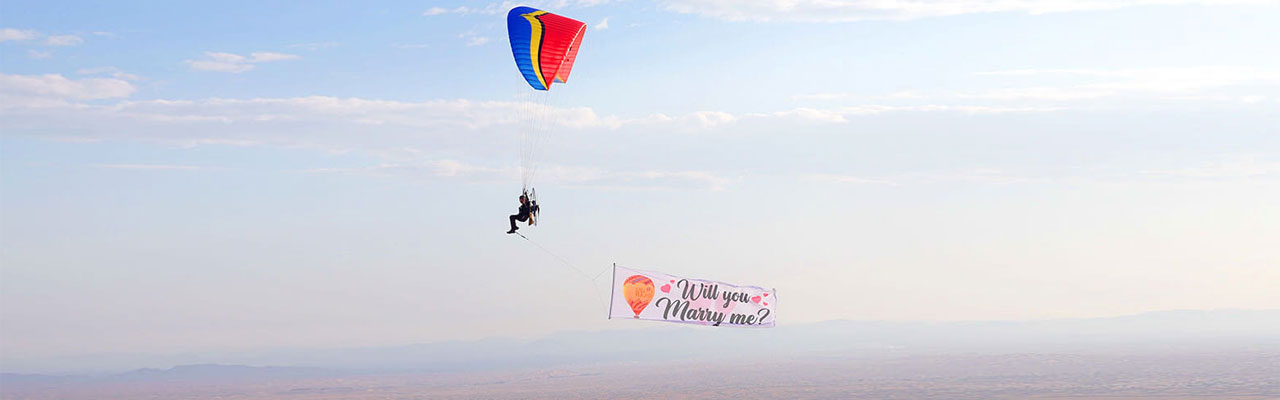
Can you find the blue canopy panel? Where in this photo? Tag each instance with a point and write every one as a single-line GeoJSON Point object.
{"type": "Point", "coordinates": [520, 29]}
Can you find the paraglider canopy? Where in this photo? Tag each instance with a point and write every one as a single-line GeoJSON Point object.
{"type": "Point", "coordinates": [544, 45]}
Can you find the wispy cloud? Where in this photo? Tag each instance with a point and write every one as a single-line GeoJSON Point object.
{"type": "Point", "coordinates": [314, 45]}
{"type": "Point", "coordinates": [717, 120]}
{"type": "Point", "coordinates": [504, 6]}
{"type": "Point", "coordinates": [11, 34]}
{"type": "Point", "coordinates": [1233, 168]}
{"type": "Point", "coordinates": [843, 114]}
{"type": "Point", "coordinates": [1086, 86]}
{"type": "Point", "coordinates": [26, 35]}
{"type": "Point", "coordinates": [590, 177]}
{"type": "Point", "coordinates": [490, 9]}
{"type": "Point", "coordinates": [859, 10]}
{"type": "Point", "coordinates": [152, 167]}
{"type": "Point", "coordinates": [977, 176]}
{"type": "Point", "coordinates": [16, 88]}
{"type": "Point", "coordinates": [235, 63]}
{"type": "Point", "coordinates": [109, 71]}
{"type": "Point", "coordinates": [1181, 83]}
{"type": "Point", "coordinates": [221, 62]}
{"type": "Point", "coordinates": [471, 38]}
{"type": "Point", "coordinates": [38, 38]}
{"type": "Point", "coordinates": [39, 54]}
{"type": "Point", "coordinates": [451, 129]}
{"type": "Point", "coordinates": [1246, 167]}
{"type": "Point", "coordinates": [1159, 80]}
{"type": "Point", "coordinates": [63, 40]}
{"type": "Point", "coordinates": [440, 11]}
{"type": "Point", "coordinates": [266, 56]}
{"type": "Point", "coordinates": [57, 107]}
{"type": "Point", "coordinates": [822, 96]}
{"type": "Point", "coordinates": [604, 24]}
{"type": "Point", "coordinates": [438, 114]}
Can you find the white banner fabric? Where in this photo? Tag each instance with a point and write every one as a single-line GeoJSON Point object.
{"type": "Point", "coordinates": [660, 297]}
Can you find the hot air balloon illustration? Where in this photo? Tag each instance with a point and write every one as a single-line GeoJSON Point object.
{"type": "Point", "coordinates": [638, 290]}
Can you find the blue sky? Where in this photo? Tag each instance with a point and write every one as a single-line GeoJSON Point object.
{"type": "Point", "coordinates": [214, 177]}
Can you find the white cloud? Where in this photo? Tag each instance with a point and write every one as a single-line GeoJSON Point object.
{"type": "Point", "coordinates": [224, 57]}
{"type": "Point", "coordinates": [1245, 167]}
{"type": "Point", "coordinates": [110, 71]}
{"type": "Point", "coordinates": [852, 179]}
{"type": "Point", "coordinates": [1157, 80]}
{"type": "Point", "coordinates": [842, 114]}
{"type": "Point", "coordinates": [503, 7]}
{"type": "Point", "coordinates": [859, 10]}
{"type": "Point", "coordinates": [219, 66]}
{"type": "Point", "coordinates": [976, 176]}
{"type": "Point", "coordinates": [490, 9]}
{"type": "Point", "coordinates": [221, 62]}
{"type": "Point", "coordinates": [63, 40]}
{"type": "Point", "coordinates": [10, 34]}
{"type": "Point", "coordinates": [559, 175]}
{"type": "Point", "coordinates": [23, 35]}
{"type": "Point", "coordinates": [1056, 87]}
{"type": "Point", "coordinates": [1038, 93]}
{"type": "Point", "coordinates": [314, 45]}
{"type": "Point", "coordinates": [676, 179]}
{"type": "Point", "coordinates": [462, 136]}
{"type": "Point", "coordinates": [151, 167]}
{"type": "Point", "coordinates": [260, 57]}
{"type": "Point", "coordinates": [821, 96]}
{"type": "Point", "coordinates": [471, 38]}
{"type": "Point", "coordinates": [39, 55]}
{"type": "Point", "coordinates": [50, 104]}
{"type": "Point", "coordinates": [330, 118]}
{"type": "Point", "coordinates": [1182, 83]}
{"type": "Point", "coordinates": [449, 114]}
{"type": "Point", "coordinates": [712, 119]}
{"type": "Point", "coordinates": [604, 24]}
{"type": "Point", "coordinates": [438, 11]}
{"type": "Point", "coordinates": [438, 114]}
{"type": "Point", "coordinates": [57, 87]}
{"type": "Point", "coordinates": [235, 63]}
{"type": "Point", "coordinates": [1238, 167]}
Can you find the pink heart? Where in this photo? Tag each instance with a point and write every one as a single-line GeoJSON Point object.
{"type": "Point", "coordinates": [755, 299]}
{"type": "Point", "coordinates": [673, 281]}
{"type": "Point", "coordinates": [765, 295]}
{"type": "Point", "coordinates": [666, 288]}
{"type": "Point", "coordinates": [766, 303]}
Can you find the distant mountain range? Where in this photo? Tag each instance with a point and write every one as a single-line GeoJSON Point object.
{"type": "Point", "coordinates": [182, 373]}
{"type": "Point", "coordinates": [1169, 331]}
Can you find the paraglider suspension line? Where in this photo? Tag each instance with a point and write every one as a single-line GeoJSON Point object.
{"type": "Point", "coordinates": [566, 262]}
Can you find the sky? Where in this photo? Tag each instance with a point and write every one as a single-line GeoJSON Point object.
{"type": "Point", "coordinates": [221, 176]}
